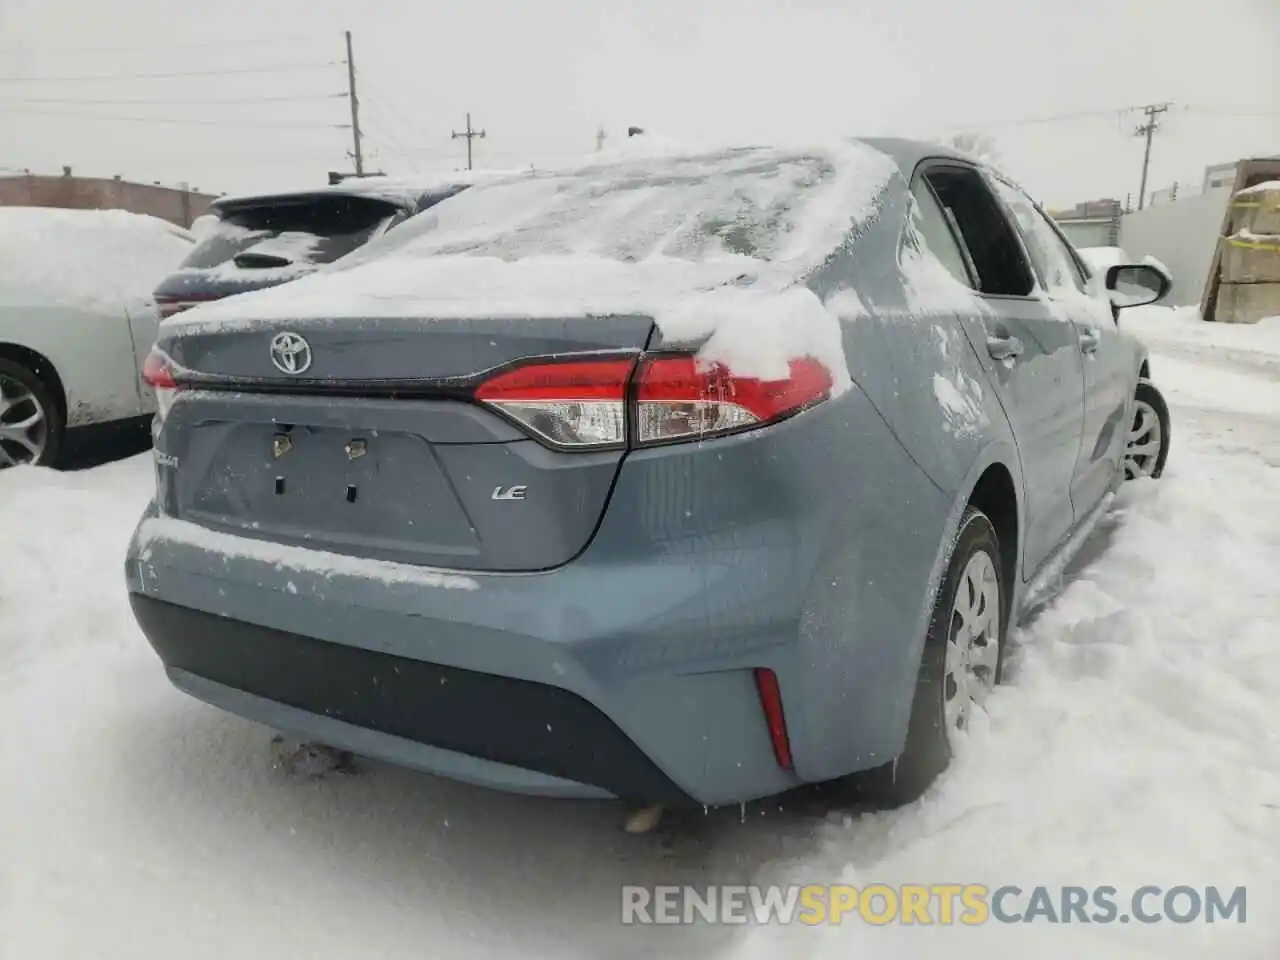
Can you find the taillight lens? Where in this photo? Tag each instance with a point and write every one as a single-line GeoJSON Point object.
{"type": "Point", "coordinates": [679, 398]}
{"type": "Point", "coordinates": [583, 403]}
{"type": "Point", "coordinates": [571, 404]}
{"type": "Point", "coordinates": [157, 373]}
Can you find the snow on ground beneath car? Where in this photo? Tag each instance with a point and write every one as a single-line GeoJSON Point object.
{"type": "Point", "coordinates": [1135, 743]}
{"type": "Point", "coordinates": [709, 245]}
{"type": "Point", "coordinates": [93, 260]}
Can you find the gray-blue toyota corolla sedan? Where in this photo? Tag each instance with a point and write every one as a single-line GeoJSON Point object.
{"type": "Point", "coordinates": [677, 479]}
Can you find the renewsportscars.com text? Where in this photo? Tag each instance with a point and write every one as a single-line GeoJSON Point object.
{"type": "Point", "coordinates": [932, 904]}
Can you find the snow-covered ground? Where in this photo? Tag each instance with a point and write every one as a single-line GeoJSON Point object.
{"type": "Point", "coordinates": [1137, 742]}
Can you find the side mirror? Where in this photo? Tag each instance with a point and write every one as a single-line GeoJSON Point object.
{"type": "Point", "coordinates": [1136, 284]}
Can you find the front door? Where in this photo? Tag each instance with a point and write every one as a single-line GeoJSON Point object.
{"type": "Point", "coordinates": [1106, 357]}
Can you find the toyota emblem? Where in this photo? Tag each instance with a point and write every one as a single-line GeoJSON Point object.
{"type": "Point", "coordinates": [290, 353]}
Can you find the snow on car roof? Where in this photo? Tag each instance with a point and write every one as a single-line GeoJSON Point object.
{"type": "Point", "coordinates": [653, 235]}
{"type": "Point", "coordinates": [87, 259]}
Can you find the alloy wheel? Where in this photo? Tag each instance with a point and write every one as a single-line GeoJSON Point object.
{"type": "Point", "coordinates": [24, 425]}
{"type": "Point", "coordinates": [1142, 451]}
{"type": "Point", "coordinates": [973, 644]}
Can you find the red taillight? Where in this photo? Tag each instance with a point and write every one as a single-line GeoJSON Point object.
{"type": "Point", "coordinates": [157, 373]}
{"type": "Point", "coordinates": [771, 704]}
{"type": "Point", "coordinates": [570, 404]}
{"type": "Point", "coordinates": [157, 370]}
{"type": "Point", "coordinates": [583, 403]}
{"type": "Point", "coordinates": [679, 398]}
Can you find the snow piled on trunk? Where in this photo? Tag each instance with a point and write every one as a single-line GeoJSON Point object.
{"type": "Point", "coordinates": [656, 236]}
{"type": "Point", "coordinates": [92, 260]}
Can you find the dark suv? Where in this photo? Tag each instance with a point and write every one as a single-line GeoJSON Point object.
{"type": "Point", "coordinates": [263, 241]}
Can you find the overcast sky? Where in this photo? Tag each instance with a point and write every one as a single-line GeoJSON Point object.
{"type": "Point", "coordinates": [542, 77]}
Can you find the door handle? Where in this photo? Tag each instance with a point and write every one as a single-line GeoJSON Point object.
{"type": "Point", "coordinates": [1090, 337]}
{"type": "Point", "coordinates": [1004, 347]}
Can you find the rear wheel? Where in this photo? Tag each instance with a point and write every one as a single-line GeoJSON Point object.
{"type": "Point", "coordinates": [30, 423]}
{"type": "Point", "coordinates": [961, 664]}
{"type": "Point", "coordinates": [1147, 447]}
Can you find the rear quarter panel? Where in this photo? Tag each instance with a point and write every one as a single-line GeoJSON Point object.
{"type": "Point", "coordinates": [873, 581]}
{"type": "Point", "coordinates": [93, 355]}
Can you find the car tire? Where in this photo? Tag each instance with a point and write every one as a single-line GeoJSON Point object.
{"type": "Point", "coordinates": [933, 723]}
{"type": "Point", "coordinates": [34, 398]}
{"type": "Point", "coordinates": [1150, 416]}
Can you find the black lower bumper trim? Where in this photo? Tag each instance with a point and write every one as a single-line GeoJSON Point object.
{"type": "Point", "coordinates": [518, 722]}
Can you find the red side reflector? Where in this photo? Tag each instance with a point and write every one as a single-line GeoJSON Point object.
{"type": "Point", "coordinates": [771, 703]}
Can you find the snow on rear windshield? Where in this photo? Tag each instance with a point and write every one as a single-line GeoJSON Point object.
{"type": "Point", "coordinates": [746, 203]}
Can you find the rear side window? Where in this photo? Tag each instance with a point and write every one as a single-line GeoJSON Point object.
{"type": "Point", "coordinates": [1054, 261]}
{"type": "Point", "coordinates": [931, 224]}
{"type": "Point", "coordinates": [984, 232]}
{"type": "Point", "coordinates": [308, 231]}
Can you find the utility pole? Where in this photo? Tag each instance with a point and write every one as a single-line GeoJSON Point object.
{"type": "Point", "coordinates": [1152, 111]}
{"type": "Point", "coordinates": [356, 153]}
{"type": "Point", "coordinates": [470, 135]}
{"type": "Point", "coordinates": [600, 139]}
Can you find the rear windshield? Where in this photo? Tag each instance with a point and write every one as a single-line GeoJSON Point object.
{"type": "Point", "coordinates": [747, 202]}
{"type": "Point", "coordinates": [311, 231]}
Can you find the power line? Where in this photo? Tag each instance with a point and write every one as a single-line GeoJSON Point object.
{"type": "Point", "coordinates": [1055, 118]}
{"type": "Point", "coordinates": [178, 120]}
{"type": "Point", "coordinates": [393, 113]}
{"type": "Point", "coordinates": [283, 68]}
{"type": "Point", "coordinates": [168, 102]}
{"type": "Point", "coordinates": [1231, 112]}
{"type": "Point", "coordinates": [383, 133]}
{"type": "Point", "coordinates": [222, 44]}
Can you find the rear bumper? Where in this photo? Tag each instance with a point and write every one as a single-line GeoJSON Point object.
{"type": "Point", "coordinates": [627, 671]}
{"type": "Point", "coordinates": [593, 680]}
{"type": "Point", "coordinates": [401, 704]}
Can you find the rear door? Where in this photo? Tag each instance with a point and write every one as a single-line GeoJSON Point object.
{"type": "Point", "coordinates": [1029, 348]}
{"type": "Point", "coordinates": [1106, 358]}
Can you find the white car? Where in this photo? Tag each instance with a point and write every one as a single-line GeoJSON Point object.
{"type": "Point", "coordinates": [76, 321]}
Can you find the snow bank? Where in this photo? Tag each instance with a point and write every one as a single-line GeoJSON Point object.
{"type": "Point", "coordinates": [639, 236]}
{"type": "Point", "coordinates": [88, 259]}
{"type": "Point", "coordinates": [1179, 328]}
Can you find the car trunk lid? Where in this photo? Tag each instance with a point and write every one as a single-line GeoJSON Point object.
{"type": "Point", "coordinates": [375, 446]}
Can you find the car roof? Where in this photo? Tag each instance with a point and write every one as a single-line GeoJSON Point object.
{"type": "Point", "coordinates": [909, 153]}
